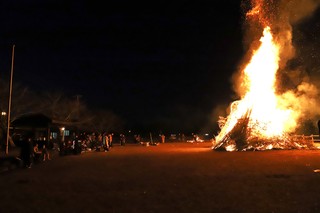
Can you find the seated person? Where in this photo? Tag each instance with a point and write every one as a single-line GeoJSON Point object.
{"type": "Point", "coordinates": [36, 152]}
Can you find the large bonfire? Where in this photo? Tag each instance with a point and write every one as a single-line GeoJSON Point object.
{"type": "Point", "coordinates": [262, 119]}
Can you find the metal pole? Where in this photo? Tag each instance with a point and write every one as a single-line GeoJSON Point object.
{"type": "Point", "coordinates": [151, 141]}
{"type": "Point", "coordinates": [9, 103]}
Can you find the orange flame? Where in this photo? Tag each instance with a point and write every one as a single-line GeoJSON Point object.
{"type": "Point", "coordinates": [268, 119]}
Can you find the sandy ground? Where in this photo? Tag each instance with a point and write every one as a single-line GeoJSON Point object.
{"type": "Point", "coordinates": [170, 177]}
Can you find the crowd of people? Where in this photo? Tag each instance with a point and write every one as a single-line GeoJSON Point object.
{"type": "Point", "coordinates": [99, 142]}
{"type": "Point", "coordinates": [34, 151]}
{"type": "Point", "coordinates": [86, 142]}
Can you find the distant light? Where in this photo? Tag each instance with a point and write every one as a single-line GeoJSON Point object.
{"type": "Point", "coordinates": [3, 113]}
{"type": "Point", "coordinates": [206, 134]}
{"type": "Point", "coordinates": [62, 128]}
{"type": "Point", "coordinates": [129, 131]}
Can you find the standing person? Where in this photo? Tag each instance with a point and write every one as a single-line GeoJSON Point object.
{"type": "Point", "coordinates": [36, 153]}
{"type": "Point", "coordinates": [319, 126]}
{"type": "Point", "coordinates": [122, 140]}
{"type": "Point", "coordinates": [163, 138]}
{"type": "Point", "coordinates": [183, 138]}
{"type": "Point", "coordinates": [100, 138]}
{"type": "Point", "coordinates": [45, 152]}
{"type": "Point", "coordinates": [27, 150]}
{"type": "Point", "coordinates": [137, 138]}
{"type": "Point", "coordinates": [106, 142]}
{"type": "Point", "coordinates": [110, 139]}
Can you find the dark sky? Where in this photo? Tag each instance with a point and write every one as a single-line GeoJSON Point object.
{"type": "Point", "coordinates": [157, 65]}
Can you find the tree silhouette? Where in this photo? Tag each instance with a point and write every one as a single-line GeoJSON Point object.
{"type": "Point", "coordinates": [57, 106]}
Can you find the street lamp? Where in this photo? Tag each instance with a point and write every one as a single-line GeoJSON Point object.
{"type": "Point", "coordinates": [62, 132]}
{"type": "Point", "coordinates": [3, 118]}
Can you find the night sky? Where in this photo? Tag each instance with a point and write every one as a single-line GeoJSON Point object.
{"type": "Point", "coordinates": [164, 65]}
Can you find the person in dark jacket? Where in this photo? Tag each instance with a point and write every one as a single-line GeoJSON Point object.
{"type": "Point", "coordinates": [26, 153]}
{"type": "Point", "coordinates": [122, 139]}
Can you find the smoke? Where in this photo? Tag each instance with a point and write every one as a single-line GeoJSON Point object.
{"type": "Point", "coordinates": [304, 98]}
{"type": "Point", "coordinates": [287, 14]}
{"type": "Point", "coordinates": [307, 95]}
{"type": "Point", "coordinates": [298, 10]}
{"type": "Point", "coordinates": [219, 111]}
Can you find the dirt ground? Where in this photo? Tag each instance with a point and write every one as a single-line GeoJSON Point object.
{"type": "Point", "coordinates": [170, 177]}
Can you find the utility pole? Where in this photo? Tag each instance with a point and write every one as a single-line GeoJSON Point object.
{"type": "Point", "coordinates": [9, 103]}
{"type": "Point", "coordinates": [151, 141]}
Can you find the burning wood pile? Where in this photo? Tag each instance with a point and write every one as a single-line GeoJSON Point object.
{"type": "Point", "coordinates": [240, 138]}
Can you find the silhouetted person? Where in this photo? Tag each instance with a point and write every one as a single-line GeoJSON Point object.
{"type": "Point", "coordinates": [195, 138]}
{"type": "Point", "coordinates": [319, 126]}
{"type": "Point", "coordinates": [122, 139]}
{"type": "Point", "coordinates": [137, 139]}
{"type": "Point", "coordinates": [45, 153]}
{"type": "Point", "coordinates": [106, 143]}
{"type": "Point", "coordinates": [36, 153]}
{"type": "Point", "coordinates": [27, 150]}
{"type": "Point", "coordinates": [183, 138]}
{"type": "Point", "coordinates": [163, 138]}
{"type": "Point", "coordinates": [110, 136]}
